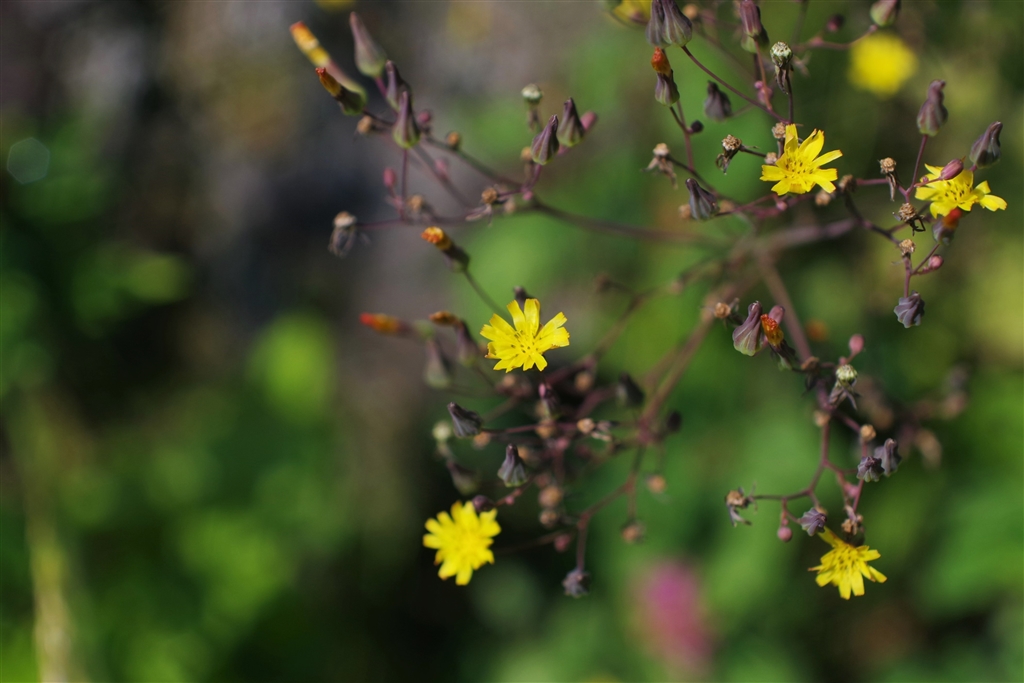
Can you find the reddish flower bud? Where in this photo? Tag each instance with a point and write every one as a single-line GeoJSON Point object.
{"type": "Point", "coordinates": [951, 170]}
{"type": "Point", "coordinates": [660, 63]}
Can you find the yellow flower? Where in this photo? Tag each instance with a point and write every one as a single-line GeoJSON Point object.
{"type": "Point", "coordinates": [798, 170]}
{"type": "Point", "coordinates": [846, 566]}
{"type": "Point", "coordinates": [525, 345]}
{"type": "Point", "coordinates": [960, 192]}
{"type": "Point", "coordinates": [636, 11]}
{"type": "Point", "coordinates": [881, 63]}
{"type": "Point", "coordinates": [462, 540]}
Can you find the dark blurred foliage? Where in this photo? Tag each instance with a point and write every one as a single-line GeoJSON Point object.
{"type": "Point", "coordinates": [209, 473]}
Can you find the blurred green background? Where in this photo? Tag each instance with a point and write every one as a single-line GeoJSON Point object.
{"type": "Point", "coordinates": [210, 472]}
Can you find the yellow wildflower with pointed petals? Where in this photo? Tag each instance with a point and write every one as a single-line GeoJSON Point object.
{"type": "Point", "coordinates": [959, 192]}
{"type": "Point", "coordinates": [799, 168]}
{"type": "Point", "coordinates": [523, 346]}
{"type": "Point", "coordinates": [462, 540]}
{"type": "Point", "coordinates": [846, 566]}
{"type": "Point", "coordinates": [881, 64]}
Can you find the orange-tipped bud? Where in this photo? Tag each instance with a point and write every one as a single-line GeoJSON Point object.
{"type": "Point", "coordinates": [952, 219]}
{"type": "Point", "coordinates": [382, 323]}
{"type": "Point", "coordinates": [437, 237]}
{"type": "Point", "coordinates": [445, 318]}
{"type": "Point", "coordinates": [309, 45]}
{"type": "Point", "coordinates": [329, 82]}
{"type": "Point", "coordinates": [772, 331]}
{"type": "Point", "coordinates": [660, 63]}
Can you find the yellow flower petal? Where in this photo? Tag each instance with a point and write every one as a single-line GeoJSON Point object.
{"type": "Point", "coordinates": [524, 346]}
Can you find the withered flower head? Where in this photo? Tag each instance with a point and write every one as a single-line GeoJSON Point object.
{"type": "Point", "coordinates": [812, 521]}
{"type": "Point", "coordinates": [910, 309]}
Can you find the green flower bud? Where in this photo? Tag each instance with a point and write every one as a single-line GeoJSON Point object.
{"type": "Point", "coordinates": [884, 12]}
{"type": "Point", "coordinates": [668, 25]}
{"type": "Point", "coordinates": [405, 132]}
{"type": "Point", "coordinates": [986, 151]}
{"type": "Point", "coordinates": [933, 114]}
{"type": "Point", "coordinates": [570, 129]}
{"type": "Point", "coordinates": [545, 144]}
{"type": "Point", "coordinates": [370, 56]}
{"type": "Point", "coordinates": [665, 90]}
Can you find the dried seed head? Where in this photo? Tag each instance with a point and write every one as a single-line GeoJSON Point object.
{"type": "Point", "coordinates": [661, 151]}
{"type": "Point", "coordinates": [633, 532]}
{"type": "Point", "coordinates": [656, 483]}
{"type": "Point", "coordinates": [907, 247]}
{"type": "Point", "coordinates": [846, 375]}
{"type": "Point", "coordinates": [586, 425]}
{"type": "Point", "coordinates": [365, 126]}
{"type": "Point", "coordinates": [823, 198]}
{"type": "Point", "coordinates": [722, 310]}
{"type": "Point", "coordinates": [779, 131]}
{"type": "Point", "coordinates": [782, 56]}
{"type": "Point", "coordinates": [489, 196]}
{"type": "Point", "coordinates": [771, 158]}
{"type": "Point", "coordinates": [532, 95]}
{"type": "Point", "coordinates": [684, 212]}
{"type": "Point", "coordinates": [577, 582]}
{"type": "Point", "coordinates": [867, 433]}
{"type": "Point", "coordinates": [550, 497]}
{"type": "Point", "coordinates": [453, 140]}
{"type": "Point", "coordinates": [731, 143]}
{"type": "Point", "coordinates": [887, 165]}
{"type": "Point", "coordinates": [906, 213]}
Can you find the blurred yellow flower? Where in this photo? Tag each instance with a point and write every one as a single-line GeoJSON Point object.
{"type": "Point", "coordinates": [881, 63]}
{"type": "Point", "coordinates": [959, 192]}
{"type": "Point", "coordinates": [525, 345]}
{"type": "Point", "coordinates": [462, 541]}
{"type": "Point", "coordinates": [635, 11]}
{"type": "Point", "coordinates": [846, 566]}
{"type": "Point", "coordinates": [798, 170]}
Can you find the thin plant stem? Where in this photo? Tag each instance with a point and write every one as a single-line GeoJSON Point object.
{"type": "Point", "coordinates": [737, 92]}
{"type": "Point", "coordinates": [481, 293]}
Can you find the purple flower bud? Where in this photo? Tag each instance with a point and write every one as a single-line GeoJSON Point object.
{"type": "Point", "coordinates": [545, 145]}
{"type": "Point", "coordinates": [513, 470]}
{"type": "Point", "coordinates": [834, 23]}
{"type": "Point", "coordinates": [785, 534]}
{"type": "Point", "coordinates": [570, 130]}
{"type": "Point", "coordinates": [696, 127]}
{"type": "Point", "coordinates": [910, 309]}
{"type": "Point", "coordinates": [986, 151]}
{"type": "Point", "coordinates": [370, 56]}
{"type": "Point", "coordinates": [888, 455]}
{"type": "Point", "coordinates": [703, 204]}
{"type": "Point", "coordinates": [812, 521]}
{"type": "Point", "coordinates": [629, 392]}
{"type": "Point", "coordinates": [870, 468]}
{"type": "Point", "coordinates": [674, 422]}
{"type": "Point", "coordinates": [665, 90]}
{"type": "Point", "coordinates": [933, 113]}
{"type": "Point", "coordinates": [884, 12]}
{"type": "Point", "coordinates": [405, 131]}
{"type": "Point", "coordinates": [717, 106]}
{"type": "Point", "coordinates": [952, 170]}
{"type": "Point", "coordinates": [465, 422]}
{"type": "Point", "coordinates": [668, 25]}
{"type": "Point", "coordinates": [747, 337]}
{"type": "Point", "coordinates": [395, 85]}
{"type": "Point", "coordinates": [483, 504]}
{"type": "Point", "coordinates": [576, 583]}
{"type": "Point", "coordinates": [934, 263]}
{"type": "Point", "coordinates": [750, 18]}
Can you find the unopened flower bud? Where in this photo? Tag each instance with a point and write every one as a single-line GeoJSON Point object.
{"type": "Point", "coordinates": [395, 86]}
{"type": "Point", "coordinates": [812, 521]}
{"type": "Point", "coordinates": [884, 12]}
{"type": "Point", "coordinates": [660, 63]}
{"type": "Point", "coordinates": [856, 344]}
{"type": "Point", "coordinates": [370, 56]}
{"type": "Point", "coordinates": [933, 114]}
{"type": "Point", "coordinates": [665, 90]}
{"type": "Point", "coordinates": [910, 309]}
{"type": "Point", "coordinates": [482, 504]}
{"type": "Point", "coordinates": [934, 263]}
{"type": "Point", "coordinates": [750, 18]}
{"type": "Point", "coordinates": [456, 257]}
{"type": "Point", "coordinates": [465, 480]}
{"type": "Point", "coordinates": [570, 129]}
{"type": "Point", "coordinates": [545, 144]}
{"type": "Point", "coordinates": [703, 204]}
{"type": "Point", "coordinates": [576, 583]}
{"type": "Point", "coordinates": [867, 433]}
{"type": "Point", "coordinates": [513, 470]}
{"type": "Point", "coordinates": [405, 132]}
{"type": "Point", "coordinates": [453, 140]}
{"type": "Point", "coordinates": [870, 468]}
{"type": "Point", "coordinates": [951, 170]}
{"type": "Point", "coordinates": [352, 103]}
{"type": "Point", "coordinates": [633, 532]}
{"type": "Point", "coordinates": [696, 127]}
{"type": "Point", "coordinates": [465, 422]}
{"type": "Point", "coordinates": [888, 455]}
{"type": "Point", "coordinates": [986, 150]}
{"type": "Point", "coordinates": [785, 534]}
{"type": "Point", "coordinates": [747, 337]}
{"type": "Point", "coordinates": [437, 370]}
{"type": "Point", "coordinates": [668, 25]}
{"type": "Point", "coordinates": [717, 106]}
{"type": "Point", "coordinates": [629, 392]}
{"type": "Point", "coordinates": [846, 375]}
{"type": "Point", "coordinates": [588, 119]}
{"type": "Point", "coordinates": [835, 23]}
